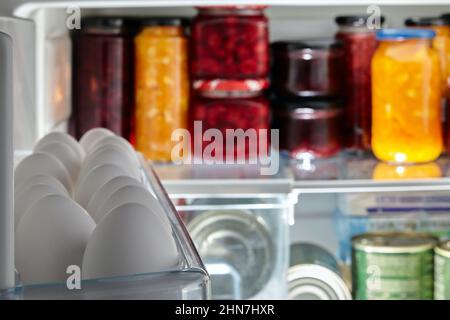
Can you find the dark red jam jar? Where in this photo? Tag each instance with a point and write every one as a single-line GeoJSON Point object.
{"type": "Point", "coordinates": [103, 75]}
{"type": "Point", "coordinates": [307, 68]}
{"type": "Point", "coordinates": [243, 112]}
{"type": "Point", "coordinates": [230, 43]}
{"type": "Point", "coordinates": [308, 128]}
{"type": "Point", "coordinates": [357, 33]}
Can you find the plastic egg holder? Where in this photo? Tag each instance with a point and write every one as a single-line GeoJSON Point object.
{"type": "Point", "coordinates": [187, 280]}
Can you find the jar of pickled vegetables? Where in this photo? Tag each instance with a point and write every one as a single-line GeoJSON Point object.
{"type": "Point", "coordinates": [228, 114]}
{"type": "Point", "coordinates": [103, 70]}
{"type": "Point", "coordinates": [406, 94]}
{"type": "Point", "coordinates": [359, 46]}
{"type": "Point", "coordinates": [230, 43]}
{"type": "Point", "coordinates": [162, 85]}
{"type": "Point", "coordinates": [441, 43]}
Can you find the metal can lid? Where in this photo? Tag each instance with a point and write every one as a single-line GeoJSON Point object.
{"type": "Point", "coordinates": [316, 282]}
{"type": "Point", "coordinates": [394, 242]}
{"type": "Point", "coordinates": [443, 249]}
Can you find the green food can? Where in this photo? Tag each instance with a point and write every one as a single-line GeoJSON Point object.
{"type": "Point", "coordinates": [442, 271]}
{"type": "Point", "coordinates": [393, 266]}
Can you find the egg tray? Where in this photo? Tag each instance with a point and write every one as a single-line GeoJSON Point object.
{"type": "Point", "coordinates": [189, 280]}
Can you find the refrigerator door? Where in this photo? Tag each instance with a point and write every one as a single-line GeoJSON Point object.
{"type": "Point", "coordinates": [22, 33]}
{"type": "Point", "coordinates": [6, 164]}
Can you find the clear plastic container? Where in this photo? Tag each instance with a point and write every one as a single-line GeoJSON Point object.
{"type": "Point", "coordinates": [189, 280]}
{"type": "Point", "coordinates": [230, 43]}
{"type": "Point", "coordinates": [406, 97]}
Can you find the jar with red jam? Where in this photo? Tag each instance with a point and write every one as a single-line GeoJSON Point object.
{"type": "Point", "coordinates": [250, 111]}
{"type": "Point", "coordinates": [308, 128]}
{"type": "Point", "coordinates": [357, 33]}
{"type": "Point", "coordinates": [103, 75]}
{"type": "Point", "coordinates": [230, 43]}
{"type": "Point", "coordinates": [312, 68]}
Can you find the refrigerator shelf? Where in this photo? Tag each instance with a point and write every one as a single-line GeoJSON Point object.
{"type": "Point", "coordinates": [342, 174]}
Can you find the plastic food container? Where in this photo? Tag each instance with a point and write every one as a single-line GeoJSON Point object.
{"type": "Point", "coordinates": [230, 43]}
{"type": "Point", "coordinates": [406, 97]}
{"type": "Point", "coordinates": [188, 280]}
{"type": "Point", "coordinates": [308, 68]}
{"type": "Point", "coordinates": [162, 85]}
{"type": "Point", "coordinates": [441, 43]}
{"type": "Point", "coordinates": [359, 46]}
{"type": "Point", "coordinates": [103, 71]}
{"type": "Point", "coordinates": [248, 112]}
{"type": "Point", "coordinates": [308, 129]}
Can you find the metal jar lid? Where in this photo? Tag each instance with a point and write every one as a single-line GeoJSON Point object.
{"type": "Point", "coordinates": [237, 238]}
{"type": "Point", "coordinates": [316, 282]}
{"type": "Point", "coordinates": [443, 249]}
{"type": "Point", "coordinates": [394, 242]}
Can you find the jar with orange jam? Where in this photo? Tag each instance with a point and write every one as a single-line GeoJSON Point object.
{"type": "Point", "coordinates": [441, 43]}
{"type": "Point", "coordinates": [406, 95]}
{"type": "Point", "coordinates": [162, 85]}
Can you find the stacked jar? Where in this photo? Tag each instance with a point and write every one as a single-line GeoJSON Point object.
{"type": "Point", "coordinates": [307, 89]}
{"type": "Point", "coordinates": [229, 70]}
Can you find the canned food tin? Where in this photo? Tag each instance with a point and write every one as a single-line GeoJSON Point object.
{"type": "Point", "coordinates": [393, 265]}
{"type": "Point", "coordinates": [314, 275]}
{"type": "Point", "coordinates": [442, 271]}
{"type": "Point", "coordinates": [237, 249]}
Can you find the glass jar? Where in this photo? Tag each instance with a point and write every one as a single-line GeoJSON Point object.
{"type": "Point", "coordinates": [359, 46]}
{"type": "Point", "coordinates": [308, 129]}
{"type": "Point", "coordinates": [162, 85]}
{"type": "Point", "coordinates": [441, 43]}
{"type": "Point", "coordinates": [406, 94]}
{"type": "Point", "coordinates": [103, 70]}
{"type": "Point", "coordinates": [386, 171]}
{"type": "Point", "coordinates": [222, 113]}
{"type": "Point", "coordinates": [230, 43]}
{"type": "Point", "coordinates": [307, 68]}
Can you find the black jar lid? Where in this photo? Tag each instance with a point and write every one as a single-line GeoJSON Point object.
{"type": "Point", "coordinates": [315, 44]}
{"type": "Point", "coordinates": [109, 24]}
{"type": "Point", "coordinates": [292, 104]}
{"type": "Point", "coordinates": [446, 18]}
{"type": "Point", "coordinates": [425, 21]}
{"type": "Point", "coordinates": [355, 20]}
{"type": "Point", "coordinates": [164, 21]}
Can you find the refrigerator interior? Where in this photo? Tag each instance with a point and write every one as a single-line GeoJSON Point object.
{"type": "Point", "coordinates": [318, 196]}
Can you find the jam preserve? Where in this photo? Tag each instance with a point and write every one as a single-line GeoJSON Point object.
{"type": "Point", "coordinates": [308, 68]}
{"type": "Point", "coordinates": [251, 112]}
{"type": "Point", "coordinates": [359, 46]}
{"type": "Point", "coordinates": [308, 129]}
{"type": "Point", "coordinates": [103, 71]}
{"type": "Point", "coordinates": [230, 43]}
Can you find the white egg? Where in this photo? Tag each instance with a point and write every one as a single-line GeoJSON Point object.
{"type": "Point", "coordinates": [110, 155]}
{"type": "Point", "coordinates": [105, 191]}
{"type": "Point", "coordinates": [132, 194]}
{"type": "Point", "coordinates": [40, 179]}
{"type": "Point", "coordinates": [93, 180]}
{"type": "Point", "coordinates": [117, 141]}
{"type": "Point", "coordinates": [42, 164]}
{"type": "Point", "coordinates": [92, 136]}
{"type": "Point", "coordinates": [65, 154]}
{"type": "Point", "coordinates": [51, 236]}
{"type": "Point", "coordinates": [63, 138]}
{"type": "Point", "coordinates": [24, 199]}
{"type": "Point", "coordinates": [129, 240]}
